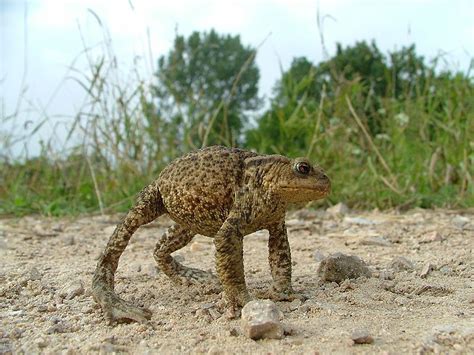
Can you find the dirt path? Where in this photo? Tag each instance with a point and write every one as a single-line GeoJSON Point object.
{"type": "Point", "coordinates": [420, 297]}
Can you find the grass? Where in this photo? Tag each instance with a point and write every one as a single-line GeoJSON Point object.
{"type": "Point", "coordinates": [421, 156]}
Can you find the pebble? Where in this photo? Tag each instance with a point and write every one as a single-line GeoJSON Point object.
{"type": "Point", "coordinates": [360, 220]}
{"type": "Point", "coordinates": [460, 221]}
{"type": "Point", "coordinates": [375, 240]}
{"type": "Point", "coordinates": [34, 274]}
{"type": "Point", "coordinates": [427, 268]}
{"type": "Point", "coordinates": [16, 313]}
{"type": "Point", "coordinates": [296, 341]}
{"type": "Point", "coordinates": [59, 328]}
{"type": "Point", "coordinates": [339, 209]}
{"type": "Point", "coordinates": [41, 342]}
{"type": "Point", "coordinates": [214, 313]}
{"type": "Point", "coordinates": [215, 350]}
{"type": "Point", "coordinates": [40, 231]}
{"type": "Point", "coordinates": [16, 333]}
{"type": "Point", "coordinates": [362, 336]}
{"type": "Point", "coordinates": [261, 320]}
{"type": "Point", "coordinates": [307, 215]}
{"type": "Point", "coordinates": [433, 236]}
{"type": "Point", "coordinates": [87, 309]}
{"type": "Point", "coordinates": [73, 289]}
{"type": "Point", "coordinates": [400, 263]}
{"type": "Point", "coordinates": [386, 275]}
{"type": "Point", "coordinates": [305, 308]}
{"type": "Point", "coordinates": [107, 348]}
{"type": "Point", "coordinates": [346, 285]}
{"type": "Point", "coordinates": [400, 300]}
{"type": "Point", "coordinates": [42, 308]}
{"type": "Point", "coordinates": [295, 304]}
{"type": "Point", "coordinates": [207, 305]}
{"type": "Point", "coordinates": [57, 227]}
{"type": "Point", "coordinates": [338, 267]}
{"type": "Point", "coordinates": [204, 315]}
{"type": "Point", "coordinates": [233, 332]}
{"type": "Point", "coordinates": [445, 269]}
{"type": "Point", "coordinates": [294, 223]}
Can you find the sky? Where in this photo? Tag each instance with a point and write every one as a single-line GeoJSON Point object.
{"type": "Point", "coordinates": [42, 42]}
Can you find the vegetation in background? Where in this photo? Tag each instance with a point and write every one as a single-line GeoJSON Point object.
{"type": "Point", "coordinates": [391, 130]}
{"type": "Point", "coordinates": [205, 85]}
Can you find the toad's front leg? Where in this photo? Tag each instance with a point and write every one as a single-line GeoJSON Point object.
{"type": "Point", "coordinates": [279, 257]}
{"type": "Point", "coordinates": [230, 264]}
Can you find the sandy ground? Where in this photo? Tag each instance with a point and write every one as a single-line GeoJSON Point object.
{"type": "Point", "coordinates": [420, 298]}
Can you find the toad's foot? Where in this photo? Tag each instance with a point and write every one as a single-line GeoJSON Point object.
{"type": "Point", "coordinates": [235, 303]}
{"type": "Point", "coordinates": [117, 310]}
{"type": "Point", "coordinates": [285, 295]}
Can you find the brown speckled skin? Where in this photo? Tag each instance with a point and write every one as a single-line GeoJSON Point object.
{"type": "Point", "coordinates": [224, 193]}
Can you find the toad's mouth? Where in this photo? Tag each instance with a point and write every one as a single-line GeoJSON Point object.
{"type": "Point", "coordinates": [325, 189]}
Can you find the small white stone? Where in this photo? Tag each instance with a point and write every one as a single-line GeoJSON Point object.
{"type": "Point", "coordinates": [460, 221]}
{"type": "Point", "coordinates": [295, 304]}
{"type": "Point", "coordinates": [427, 268]}
{"type": "Point", "coordinates": [360, 220]}
{"type": "Point", "coordinates": [338, 210]}
{"type": "Point", "coordinates": [41, 342]}
{"type": "Point", "coordinates": [261, 320]}
{"type": "Point", "coordinates": [433, 236]}
{"type": "Point", "coordinates": [375, 240]}
{"type": "Point", "coordinates": [34, 274]}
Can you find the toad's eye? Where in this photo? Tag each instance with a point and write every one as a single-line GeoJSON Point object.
{"type": "Point", "coordinates": [302, 168]}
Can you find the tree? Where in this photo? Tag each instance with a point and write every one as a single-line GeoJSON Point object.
{"type": "Point", "coordinates": [205, 84]}
{"type": "Point", "coordinates": [360, 72]}
{"type": "Point", "coordinates": [408, 73]}
{"type": "Point", "coordinates": [361, 62]}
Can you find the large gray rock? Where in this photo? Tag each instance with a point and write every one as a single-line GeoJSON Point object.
{"type": "Point", "coordinates": [339, 267]}
{"type": "Point", "coordinates": [261, 319]}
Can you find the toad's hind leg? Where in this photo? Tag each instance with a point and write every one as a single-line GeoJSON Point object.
{"type": "Point", "coordinates": [175, 238]}
{"type": "Point", "coordinates": [149, 206]}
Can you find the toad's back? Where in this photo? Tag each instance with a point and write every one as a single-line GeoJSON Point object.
{"type": "Point", "coordinates": [198, 188]}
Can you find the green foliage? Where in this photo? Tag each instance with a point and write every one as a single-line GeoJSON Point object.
{"type": "Point", "coordinates": [207, 81]}
{"type": "Point", "coordinates": [391, 130]}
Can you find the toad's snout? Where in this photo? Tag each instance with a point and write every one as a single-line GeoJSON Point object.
{"type": "Point", "coordinates": [323, 180]}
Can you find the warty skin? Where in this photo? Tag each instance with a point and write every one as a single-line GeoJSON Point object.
{"type": "Point", "coordinates": [222, 193]}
